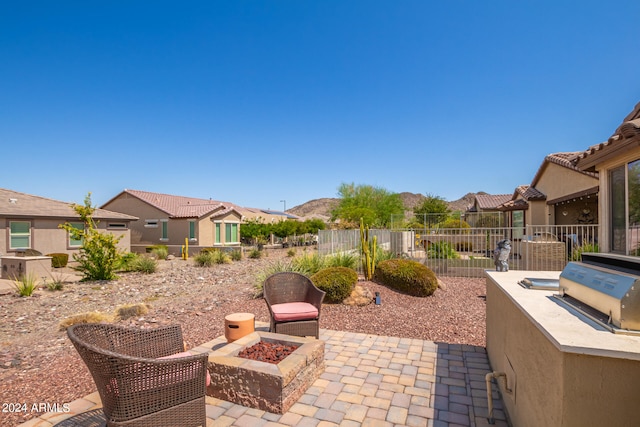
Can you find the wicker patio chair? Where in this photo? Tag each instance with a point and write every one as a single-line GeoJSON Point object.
{"type": "Point", "coordinates": [136, 388]}
{"type": "Point", "coordinates": [294, 304]}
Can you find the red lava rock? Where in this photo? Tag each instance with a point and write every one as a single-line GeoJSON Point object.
{"type": "Point", "coordinates": [267, 352]}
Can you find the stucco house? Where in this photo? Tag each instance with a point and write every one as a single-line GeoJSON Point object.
{"type": "Point", "coordinates": [617, 162]}
{"type": "Point", "coordinates": [559, 194]}
{"type": "Point", "coordinates": [32, 222]}
{"type": "Point", "coordinates": [485, 210]}
{"type": "Point", "coordinates": [177, 221]}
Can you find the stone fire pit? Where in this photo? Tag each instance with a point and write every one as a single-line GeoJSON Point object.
{"type": "Point", "coordinates": [267, 386]}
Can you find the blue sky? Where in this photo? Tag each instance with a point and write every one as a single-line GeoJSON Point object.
{"type": "Point", "coordinates": [256, 102]}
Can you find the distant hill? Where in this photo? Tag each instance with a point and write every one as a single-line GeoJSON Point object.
{"type": "Point", "coordinates": [321, 208]}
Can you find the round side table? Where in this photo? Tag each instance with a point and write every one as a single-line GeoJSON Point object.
{"type": "Point", "coordinates": [237, 325]}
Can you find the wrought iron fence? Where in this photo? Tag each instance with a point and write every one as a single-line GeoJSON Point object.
{"type": "Point", "coordinates": [467, 252]}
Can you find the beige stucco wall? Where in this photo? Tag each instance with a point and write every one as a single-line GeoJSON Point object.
{"type": "Point", "coordinates": [555, 182]}
{"type": "Point", "coordinates": [47, 237]}
{"type": "Point", "coordinates": [551, 384]}
{"type": "Point", "coordinates": [143, 211]}
{"type": "Point", "coordinates": [604, 198]}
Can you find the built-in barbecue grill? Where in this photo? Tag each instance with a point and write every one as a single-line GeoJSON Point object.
{"type": "Point", "coordinates": [606, 288]}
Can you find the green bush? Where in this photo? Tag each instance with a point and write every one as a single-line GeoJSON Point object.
{"type": "Point", "coordinates": [255, 253]}
{"type": "Point", "coordinates": [407, 276]}
{"type": "Point", "coordinates": [441, 250]}
{"type": "Point", "coordinates": [59, 260]}
{"type": "Point", "coordinates": [576, 254]}
{"type": "Point", "coordinates": [26, 285]}
{"type": "Point", "coordinates": [337, 282]}
{"type": "Point", "coordinates": [456, 223]}
{"type": "Point", "coordinates": [209, 257]}
{"type": "Point", "coordinates": [309, 263]}
{"type": "Point", "coordinates": [145, 264]}
{"type": "Point", "coordinates": [128, 262]}
{"type": "Point", "coordinates": [342, 259]}
{"type": "Point", "coordinates": [236, 255]}
{"type": "Point", "coordinates": [160, 251]}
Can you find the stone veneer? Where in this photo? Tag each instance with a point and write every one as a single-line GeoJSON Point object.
{"type": "Point", "coordinates": [267, 386]}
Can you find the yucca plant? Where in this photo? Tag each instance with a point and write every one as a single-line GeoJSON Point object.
{"type": "Point", "coordinates": [26, 284]}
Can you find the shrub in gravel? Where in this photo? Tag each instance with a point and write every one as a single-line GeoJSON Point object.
{"type": "Point", "coordinates": [236, 255]}
{"type": "Point", "coordinates": [59, 260]}
{"type": "Point", "coordinates": [255, 253]}
{"type": "Point", "coordinates": [91, 317]}
{"type": "Point", "coordinates": [407, 276]}
{"type": "Point", "coordinates": [145, 264]}
{"type": "Point", "coordinates": [337, 282]}
{"type": "Point", "coordinates": [342, 259]}
{"type": "Point", "coordinates": [210, 257]}
{"type": "Point", "coordinates": [131, 310]}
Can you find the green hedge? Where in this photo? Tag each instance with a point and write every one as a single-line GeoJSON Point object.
{"type": "Point", "coordinates": [407, 276]}
{"type": "Point", "coordinates": [337, 282]}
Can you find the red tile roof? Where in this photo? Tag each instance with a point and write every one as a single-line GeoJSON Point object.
{"type": "Point", "coordinates": [491, 201]}
{"type": "Point", "coordinates": [567, 160]}
{"type": "Point", "coordinates": [179, 206]}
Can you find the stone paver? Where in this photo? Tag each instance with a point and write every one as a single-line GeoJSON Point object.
{"type": "Point", "coordinates": [371, 380]}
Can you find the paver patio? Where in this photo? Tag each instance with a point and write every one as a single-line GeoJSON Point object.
{"type": "Point", "coordinates": [369, 380]}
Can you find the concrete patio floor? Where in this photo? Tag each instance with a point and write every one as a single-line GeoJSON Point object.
{"type": "Point", "coordinates": [369, 380]}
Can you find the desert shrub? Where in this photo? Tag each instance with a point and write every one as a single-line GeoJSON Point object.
{"type": "Point", "coordinates": [160, 251]}
{"type": "Point", "coordinates": [91, 317]}
{"type": "Point", "coordinates": [236, 255]}
{"type": "Point", "coordinates": [463, 226]}
{"type": "Point", "coordinates": [383, 255]}
{"type": "Point", "coordinates": [276, 267]}
{"type": "Point", "coordinates": [407, 276]}
{"type": "Point", "coordinates": [59, 260]}
{"type": "Point", "coordinates": [442, 250]}
{"type": "Point", "coordinates": [127, 311]}
{"type": "Point", "coordinates": [576, 253]}
{"type": "Point", "coordinates": [145, 264]}
{"type": "Point", "coordinates": [26, 285]}
{"type": "Point", "coordinates": [337, 282]}
{"type": "Point", "coordinates": [56, 283]}
{"type": "Point", "coordinates": [291, 253]}
{"type": "Point", "coordinates": [99, 256]}
{"type": "Point", "coordinates": [128, 262]}
{"type": "Point", "coordinates": [204, 259]}
{"type": "Point", "coordinates": [309, 263]}
{"type": "Point", "coordinates": [255, 253]}
{"type": "Point", "coordinates": [342, 259]}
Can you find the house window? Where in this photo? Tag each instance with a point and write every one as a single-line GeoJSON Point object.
{"type": "Point", "coordinates": [624, 190]}
{"type": "Point", "coordinates": [150, 223]}
{"type": "Point", "coordinates": [117, 226]}
{"type": "Point", "coordinates": [165, 230]}
{"type": "Point", "coordinates": [19, 235]}
{"type": "Point", "coordinates": [231, 233]}
{"type": "Point", "coordinates": [192, 230]}
{"type": "Point", "coordinates": [76, 242]}
{"type": "Point", "coordinates": [517, 218]}
{"type": "Point", "coordinates": [217, 237]}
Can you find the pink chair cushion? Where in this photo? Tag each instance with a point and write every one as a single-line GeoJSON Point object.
{"type": "Point", "coordinates": [185, 354]}
{"type": "Point", "coordinates": [292, 311]}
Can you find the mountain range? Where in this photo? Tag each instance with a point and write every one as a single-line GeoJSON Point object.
{"type": "Point", "coordinates": [321, 208]}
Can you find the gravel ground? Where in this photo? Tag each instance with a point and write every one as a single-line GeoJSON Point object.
{"type": "Point", "coordinates": [38, 363]}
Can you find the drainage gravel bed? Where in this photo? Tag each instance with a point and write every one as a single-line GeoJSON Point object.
{"type": "Point", "coordinates": [38, 364]}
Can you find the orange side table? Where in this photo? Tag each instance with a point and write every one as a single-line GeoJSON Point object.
{"type": "Point", "coordinates": [237, 325]}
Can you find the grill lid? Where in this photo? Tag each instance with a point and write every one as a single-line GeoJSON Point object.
{"type": "Point", "coordinates": [606, 288]}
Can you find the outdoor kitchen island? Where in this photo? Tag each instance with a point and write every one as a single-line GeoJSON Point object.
{"type": "Point", "coordinates": [562, 368]}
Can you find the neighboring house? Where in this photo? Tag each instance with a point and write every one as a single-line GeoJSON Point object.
{"type": "Point", "coordinates": [175, 220]}
{"type": "Point", "coordinates": [32, 222]}
{"type": "Point", "coordinates": [617, 162]}
{"type": "Point", "coordinates": [559, 194]}
{"type": "Point", "coordinates": [485, 210]}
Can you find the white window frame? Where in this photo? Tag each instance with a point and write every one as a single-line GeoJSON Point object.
{"type": "Point", "coordinates": [151, 223]}
{"type": "Point", "coordinates": [164, 231]}
{"type": "Point", "coordinates": [11, 235]}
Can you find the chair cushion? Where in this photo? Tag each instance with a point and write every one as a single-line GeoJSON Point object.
{"type": "Point", "coordinates": [292, 311]}
{"type": "Point", "coordinates": [185, 354]}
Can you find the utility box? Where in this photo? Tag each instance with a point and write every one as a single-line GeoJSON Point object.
{"type": "Point", "coordinates": [16, 267]}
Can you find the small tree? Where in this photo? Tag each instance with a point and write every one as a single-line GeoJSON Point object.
{"type": "Point", "coordinates": [99, 256]}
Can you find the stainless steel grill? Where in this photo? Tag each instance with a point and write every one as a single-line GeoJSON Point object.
{"type": "Point", "coordinates": [606, 288]}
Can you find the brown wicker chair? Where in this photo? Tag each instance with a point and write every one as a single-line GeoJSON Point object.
{"type": "Point", "coordinates": [289, 287]}
{"type": "Point", "coordinates": [135, 387]}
